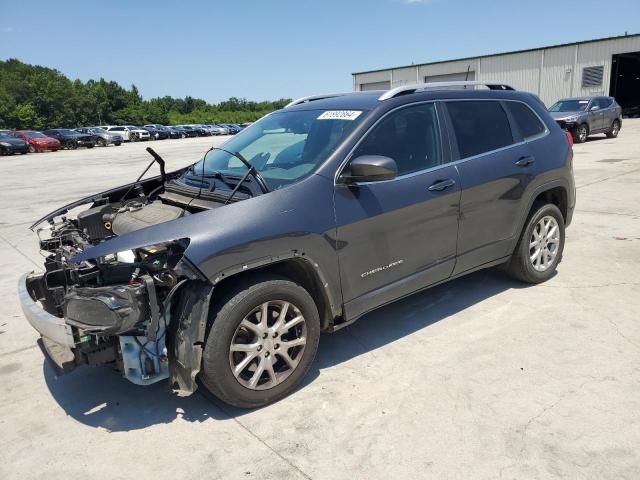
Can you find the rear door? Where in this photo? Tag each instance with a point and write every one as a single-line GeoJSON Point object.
{"type": "Point", "coordinates": [397, 236]}
{"type": "Point", "coordinates": [609, 112]}
{"type": "Point", "coordinates": [495, 168]}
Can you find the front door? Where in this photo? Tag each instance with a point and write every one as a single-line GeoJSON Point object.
{"type": "Point", "coordinates": [595, 116]}
{"type": "Point", "coordinates": [398, 236]}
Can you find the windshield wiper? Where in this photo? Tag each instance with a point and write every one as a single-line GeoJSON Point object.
{"type": "Point", "coordinates": [251, 171]}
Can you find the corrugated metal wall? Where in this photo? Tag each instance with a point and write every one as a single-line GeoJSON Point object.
{"type": "Point", "coordinates": [551, 73]}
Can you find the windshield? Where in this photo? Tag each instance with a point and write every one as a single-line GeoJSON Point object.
{"type": "Point", "coordinates": [285, 146]}
{"type": "Point", "coordinates": [97, 130]}
{"type": "Point", "coordinates": [66, 131]}
{"type": "Point", "coordinates": [569, 106]}
{"type": "Point", "coordinates": [35, 135]}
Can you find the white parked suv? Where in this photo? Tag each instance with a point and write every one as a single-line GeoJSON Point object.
{"type": "Point", "coordinates": [130, 133]}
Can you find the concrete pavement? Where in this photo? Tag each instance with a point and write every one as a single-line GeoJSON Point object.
{"type": "Point", "coordinates": [479, 378]}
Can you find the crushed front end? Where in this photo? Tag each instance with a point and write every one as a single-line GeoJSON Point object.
{"type": "Point", "coordinates": [143, 310]}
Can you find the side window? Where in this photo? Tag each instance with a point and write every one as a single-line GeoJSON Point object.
{"type": "Point", "coordinates": [527, 122]}
{"type": "Point", "coordinates": [604, 102]}
{"type": "Point", "coordinates": [480, 126]}
{"type": "Point", "coordinates": [409, 136]}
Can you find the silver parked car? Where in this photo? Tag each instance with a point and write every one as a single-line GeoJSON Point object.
{"type": "Point", "coordinates": [584, 116]}
{"type": "Point", "coordinates": [104, 137]}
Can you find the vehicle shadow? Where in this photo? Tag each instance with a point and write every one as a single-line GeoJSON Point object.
{"type": "Point", "coordinates": [100, 397]}
{"type": "Point", "coordinates": [595, 139]}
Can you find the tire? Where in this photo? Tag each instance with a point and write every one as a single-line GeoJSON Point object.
{"type": "Point", "coordinates": [118, 144]}
{"type": "Point", "coordinates": [245, 304]}
{"type": "Point", "coordinates": [522, 266]}
{"type": "Point", "coordinates": [581, 133]}
{"type": "Point", "coordinates": [32, 149]}
{"type": "Point", "coordinates": [614, 130]}
{"type": "Point", "coordinates": [90, 146]}
{"type": "Point", "coordinates": [72, 145]}
{"type": "Point", "coordinates": [101, 142]}
{"type": "Point", "coordinates": [133, 137]}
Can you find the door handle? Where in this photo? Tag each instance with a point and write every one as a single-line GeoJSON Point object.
{"type": "Point", "coordinates": [440, 185]}
{"type": "Point", "coordinates": [525, 161]}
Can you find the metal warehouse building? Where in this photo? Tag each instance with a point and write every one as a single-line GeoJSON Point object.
{"type": "Point", "coordinates": [607, 66]}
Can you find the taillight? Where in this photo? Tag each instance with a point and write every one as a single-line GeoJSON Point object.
{"type": "Point", "coordinates": [569, 137]}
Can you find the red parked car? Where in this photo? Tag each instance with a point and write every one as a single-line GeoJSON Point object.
{"type": "Point", "coordinates": [38, 141]}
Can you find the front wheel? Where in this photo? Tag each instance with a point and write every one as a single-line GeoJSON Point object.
{"type": "Point", "coordinates": [261, 344]}
{"type": "Point", "coordinates": [581, 133]}
{"type": "Point", "coordinates": [540, 246]}
{"type": "Point", "coordinates": [614, 130]}
{"type": "Point", "coordinates": [32, 149]}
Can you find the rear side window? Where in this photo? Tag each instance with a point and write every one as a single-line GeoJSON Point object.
{"type": "Point", "coordinates": [480, 126]}
{"type": "Point", "coordinates": [528, 122]}
{"type": "Point", "coordinates": [409, 136]}
{"type": "Point", "coordinates": [605, 102]}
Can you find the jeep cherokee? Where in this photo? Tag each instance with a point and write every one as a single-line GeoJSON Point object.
{"type": "Point", "coordinates": [224, 273]}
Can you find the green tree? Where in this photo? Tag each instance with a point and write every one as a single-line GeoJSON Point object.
{"type": "Point", "coordinates": [38, 97]}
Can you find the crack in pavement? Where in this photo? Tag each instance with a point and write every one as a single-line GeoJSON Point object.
{"type": "Point", "coordinates": [23, 349]}
{"type": "Point", "coordinates": [619, 332]}
{"type": "Point", "coordinates": [548, 408]}
{"type": "Point", "coordinates": [263, 442]}
{"type": "Point", "coordinates": [608, 178]}
{"type": "Point", "coordinates": [632, 215]}
{"type": "Point", "coordinates": [632, 284]}
{"type": "Point", "coordinates": [19, 251]}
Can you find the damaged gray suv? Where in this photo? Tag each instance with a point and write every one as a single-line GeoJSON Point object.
{"type": "Point", "coordinates": [224, 273]}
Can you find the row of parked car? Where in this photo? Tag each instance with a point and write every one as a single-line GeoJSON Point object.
{"type": "Point", "coordinates": [32, 141]}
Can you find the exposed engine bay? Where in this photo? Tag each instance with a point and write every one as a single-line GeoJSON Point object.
{"type": "Point", "coordinates": [129, 307]}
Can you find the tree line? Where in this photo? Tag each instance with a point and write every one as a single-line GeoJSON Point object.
{"type": "Point", "coordinates": [38, 97]}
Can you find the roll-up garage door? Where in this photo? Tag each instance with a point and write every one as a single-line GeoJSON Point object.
{"type": "Point", "coordinates": [375, 86]}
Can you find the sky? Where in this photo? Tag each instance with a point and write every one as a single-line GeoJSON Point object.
{"type": "Point", "coordinates": [265, 50]}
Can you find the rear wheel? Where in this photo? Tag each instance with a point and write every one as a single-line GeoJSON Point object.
{"type": "Point", "coordinates": [101, 142]}
{"type": "Point", "coordinates": [32, 149]}
{"type": "Point", "coordinates": [614, 130]}
{"type": "Point", "coordinates": [261, 344]}
{"type": "Point", "coordinates": [581, 133]}
{"type": "Point", "coordinates": [72, 145]}
{"type": "Point", "coordinates": [540, 246]}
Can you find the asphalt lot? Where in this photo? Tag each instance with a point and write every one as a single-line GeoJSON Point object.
{"type": "Point", "coordinates": [478, 378]}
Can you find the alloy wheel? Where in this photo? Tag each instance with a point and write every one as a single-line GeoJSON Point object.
{"type": "Point", "coordinates": [582, 133]}
{"type": "Point", "coordinates": [614, 130]}
{"type": "Point", "coordinates": [268, 345]}
{"type": "Point", "coordinates": [544, 243]}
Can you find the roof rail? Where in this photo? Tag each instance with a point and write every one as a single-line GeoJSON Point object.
{"type": "Point", "coordinates": [328, 95]}
{"type": "Point", "coordinates": [394, 92]}
{"type": "Point", "coordinates": [311, 98]}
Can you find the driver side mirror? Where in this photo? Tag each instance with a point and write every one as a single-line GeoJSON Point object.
{"type": "Point", "coordinates": [594, 108]}
{"type": "Point", "coordinates": [370, 168]}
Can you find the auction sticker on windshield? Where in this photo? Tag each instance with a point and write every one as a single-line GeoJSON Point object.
{"type": "Point", "coordinates": [340, 115]}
